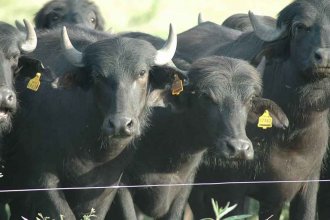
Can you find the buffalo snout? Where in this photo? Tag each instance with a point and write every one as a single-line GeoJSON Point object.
{"type": "Point", "coordinates": [120, 126]}
{"type": "Point", "coordinates": [322, 57]}
{"type": "Point", "coordinates": [237, 149]}
{"type": "Point", "coordinates": [7, 100]}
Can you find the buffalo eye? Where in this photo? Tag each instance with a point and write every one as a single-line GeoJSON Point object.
{"type": "Point", "coordinates": [250, 100]}
{"type": "Point", "coordinates": [210, 98]}
{"type": "Point", "coordinates": [142, 73]}
{"type": "Point", "coordinates": [55, 18]}
{"type": "Point", "coordinates": [299, 28]}
{"type": "Point", "coordinates": [93, 20]}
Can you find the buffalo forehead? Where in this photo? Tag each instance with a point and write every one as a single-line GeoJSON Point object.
{"type": "Point", "coordinates": [120, 55]}
{"type": "Point", "coordinates": [309, 12]}
{"type": "Point", "coordinates": [222, 77]}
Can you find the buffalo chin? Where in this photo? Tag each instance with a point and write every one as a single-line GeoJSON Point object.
{"type": "Point", "coordinates": [317, 73]}
{"type": "Point", "coordinates": [5, 122]}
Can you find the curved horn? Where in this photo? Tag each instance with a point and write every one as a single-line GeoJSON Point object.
{"type": "Point", "coordinates": [264, 31]}
{"type": "Point", "coordinates": [30, 42]}
{"type": "Point", "coordinates": [200, 18]}
{"type": "Point", "coordinates": [71, 53]}
{"type": "Point", "coordinates": [165, 54]}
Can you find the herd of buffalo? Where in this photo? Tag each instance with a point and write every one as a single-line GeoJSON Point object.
{"type": "Point", "coordinates": [83, 107]}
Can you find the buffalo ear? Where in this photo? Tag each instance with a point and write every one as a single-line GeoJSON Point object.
{"type": "Point", "coordinates": [75, 79]}
{"type": "Point", "coordinates": [259, 105]}
{"type": "Point", "coordinates": [28, 67]}
{"type": "Point", "coordinates": [162, 76]}
{"type": "Point", "coordinates": [161, 80]}
{"type": "Point", "coordinates": [164, 98]}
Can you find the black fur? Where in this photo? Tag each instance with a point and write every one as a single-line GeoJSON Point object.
{"type": "Point", "coordinates": [62, 12]}
{"type": "Point", "coordinates": [214, 109]}
{"type": "Point", "coordinates": [67, 123]}
{"type": "Point", "coordinates": [296, 79]}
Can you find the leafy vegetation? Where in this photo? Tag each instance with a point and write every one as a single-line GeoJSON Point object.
{"type": "Point", "coordinates": [89, 216]}
{"type": "Point", "coordinates": [220, 212]}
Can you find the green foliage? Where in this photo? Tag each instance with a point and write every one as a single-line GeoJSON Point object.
{"type": "Point", "coordinates": [89, 216]}
{"type": "Point", "coordinates": [221, 212]}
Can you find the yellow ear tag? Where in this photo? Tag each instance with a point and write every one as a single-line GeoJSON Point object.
{"type": "Point", "coordinates": [265, 120]}
{"type": "Point", "coordinates": [34, 83]}
{"type": "Point", "coordinates": [177, 86]}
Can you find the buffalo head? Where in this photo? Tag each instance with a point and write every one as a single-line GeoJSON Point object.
{"type": "Point", "coordinates": [222, 96]}
{"type": "Point", "coordinates": [12, 44]}
{"type": "Point", "coordinates": [61, 12]}
{"type": "Point", "coordinates": [303, 31]}
{"type": "Point", "coordinates": [126, 76]}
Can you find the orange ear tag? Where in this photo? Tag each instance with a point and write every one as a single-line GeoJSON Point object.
{"type": "Point", "coordinates": [34, 83]}
{"type": "Point", "coordinates": [177, 86]}
{"type": "Point", "coordinates": [265, 120]}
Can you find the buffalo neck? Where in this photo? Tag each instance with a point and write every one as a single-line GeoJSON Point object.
{"type": "Point", "coordinates": [171, 138]}
{"type": "Point", "coordinates": [283, 83]}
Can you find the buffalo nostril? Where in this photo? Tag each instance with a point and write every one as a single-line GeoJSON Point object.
{"type": "Point", "coordinates": [245, 146]}
{"type": "Point", "coordinates": [129, 124]}
{"type": "Point", "coordinates": [10, 98]}
{"type": "Point", "coordinates": [231, 148]}
{"type": "Point", "coordinates": [111, 124]}
{"type": "Point", "coordinates": [317, 56]}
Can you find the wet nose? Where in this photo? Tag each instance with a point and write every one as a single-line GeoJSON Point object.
{"type": "Point", "coordinates": [322, 56]}
{"type": "Point", "coordinates": [7, 98]}
{"type": "Point", "coordinates": [124, 126]}
{"type": "Point", "coordinates": [239, 149]}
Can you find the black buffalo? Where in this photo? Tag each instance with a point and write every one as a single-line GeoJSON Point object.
{"type": "Point", "coordinates": [80, 124]}
{"type": "Point", "coordinates": [297, 78]}
{"type": "Point", "coordinates": [212, 112]}
{"type": "Point", "coordinates": [242, 22]}
{"type": "Point", "coordinates": [197, 41]}
{"type": "Point", "coordinates": [63, 12]}
{"type": "Point", "coordinates": [12, 45]}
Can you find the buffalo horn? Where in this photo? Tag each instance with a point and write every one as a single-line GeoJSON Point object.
{"type": "Point", "coordinates": [71, 53]}
{"type": "Point", "coordinates": [30, 42]}
{"type": "Point", "coordinates": [200, 18]}
{"type": "Point", "coordinates": [264, 31]}
{"type": "Point", "coordinates": [165, 54]}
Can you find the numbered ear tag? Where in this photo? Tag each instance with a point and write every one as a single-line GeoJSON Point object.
{"type": "Point", "coordinates": [34, 83]}
{"type": "Point", "coordinates": [177, 86]}
{"type": "Point", "coordinates": [265, 120]}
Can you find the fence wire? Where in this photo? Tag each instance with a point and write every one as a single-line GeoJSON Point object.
{"type": "Point", "coordinates": [161, 185]}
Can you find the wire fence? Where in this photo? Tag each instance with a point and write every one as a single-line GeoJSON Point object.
{"type": "Point", "coordinates": [161, 185]}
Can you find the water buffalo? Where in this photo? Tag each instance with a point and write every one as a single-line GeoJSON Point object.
{"type": "Point", "coordinates": [212, 112]}
{"type": "Point", "coordinates": [242, 22]}
{"type": "Point", "coordinates": [297, 78]}
{"type": "Point", "coordinates": [80, 124]}
{"type": "Point", "coordinates": [12, 45]}
{"type": "Point", "coordinates": [195, 42]}
{"type": "Point", "coordinates": [63, 12]}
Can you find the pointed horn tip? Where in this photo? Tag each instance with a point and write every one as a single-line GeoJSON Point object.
{"type": "Point", "coordinates": [66, 43]}
{"type": "Point", "coordinates": [64, 31]}
{"type": "Point", "coordinates": [31, 38]}
{"type": "Point", "coordinates": [26, 23]}
{"type": "Point", "coordinates": [200, 18]}
{"type": "Point", "coordinates": [171, 29]}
